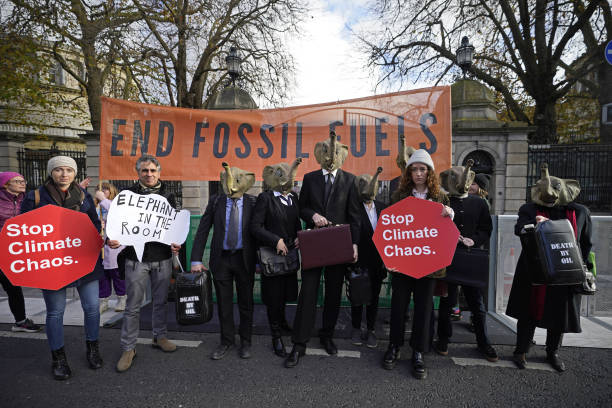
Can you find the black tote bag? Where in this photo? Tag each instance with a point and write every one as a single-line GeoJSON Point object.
{"type": "Point", "coordinates": [470, 267]}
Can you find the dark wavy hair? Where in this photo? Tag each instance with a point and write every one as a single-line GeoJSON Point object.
{"type": "Point", "coordinates": [406, 184]}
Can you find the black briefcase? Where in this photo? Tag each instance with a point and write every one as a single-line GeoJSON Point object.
{"type": "Point", "coordinates": [194, 304]}
{"type": "Point", "coordinates": [558, 253]}
{"type": "Point", "coordinates": [359, 286]}
{"type": "Point", "coordinates": [470, 267]}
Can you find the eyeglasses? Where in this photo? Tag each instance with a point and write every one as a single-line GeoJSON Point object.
{"type": "Point", "coordinates": [19, 182]}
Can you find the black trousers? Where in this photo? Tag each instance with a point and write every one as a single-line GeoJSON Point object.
{"type": "Point", "coordinates": [422, 291]}
{"type": "Point", "coordinates": [276, 292]}
{"type": "Point", "coordinates": [232, 264]}
{"type": "Point", "coordinates": [475, 301]}
{"type": "Point", "coordinates": [15, 298]}
{"type": "Point", "coordinates": [371, 309]}
{"type": "Point", "coordinates": [306, 312]}
{"type": "Point", "coordinates": [525, 329]}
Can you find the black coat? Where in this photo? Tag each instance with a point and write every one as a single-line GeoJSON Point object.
{"type": "Point", "coordinates": [561, 305]}
{"type": "Point", "coordinates": [269, 222]}
{"type": "Point", "coordinates": [368, 254]}
{"type": "Point", "coordinates": [343, 203]}
{"type": "Point", "coordinates": [153, 251]}
{"type": "Point", "coordinates": [472, 219]}
{"type": "Point", "coordinates": [214, 216]}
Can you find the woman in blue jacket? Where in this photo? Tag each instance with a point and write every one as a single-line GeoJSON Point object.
{"type": "Point", "coordinates": [61, 189]}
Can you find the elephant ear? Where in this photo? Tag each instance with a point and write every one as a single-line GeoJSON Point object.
{"type": "Point", "coordinates": [569, 191]}
{"type": "Point", "coordinates": [343, 151]}
{"type": "Point", "coordinates": [248, 180]}
{"type": "Point", "coordinates": [267, 175]}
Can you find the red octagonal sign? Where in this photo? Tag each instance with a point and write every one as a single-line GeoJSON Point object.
{"type": "Point", "coordinates": [49, 248]}
{"type": "Point", "coordinates": [413, 237]}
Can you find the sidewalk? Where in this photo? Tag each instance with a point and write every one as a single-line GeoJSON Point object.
{"type": "Point", "coordinates": [596, 331]}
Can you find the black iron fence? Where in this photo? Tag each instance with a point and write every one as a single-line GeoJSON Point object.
{"type": "Point", "coordinates": [33, 164]}
{"type": "Point", "coordinates": [589, 164]}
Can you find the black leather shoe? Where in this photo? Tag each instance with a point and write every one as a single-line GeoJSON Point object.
{"type": "Point", "coordinates": [294, 357]}
{"type": "Point", "coordinates": [488, 352]}
{"type": "Point", "coordinates": [391, 356]}
{"type": "Point", "coordinates": [245, 350]}
{"type": "Point", "coordinates": [59, 367]}
{"type": "Point", "coordinates": [93, 355]}
{"type": "Point", "coordinates": [279, 347]}
{"type": "Point", "coordinates": [441, 347]}
{"type": "Point", "coordinates": [329, 346]}
{"type": "Point", "coordinates": [519, 360]}
{"type": "Point", "coordinates": [418, 366]}
{"type": "Point", "coordinates": [221, 351]}
{"type": "Point", "coordinates": [554, 360]}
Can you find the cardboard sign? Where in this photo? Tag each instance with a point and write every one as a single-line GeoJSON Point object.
{"type": "Point", "coordinates": [191, 144]}
{"type": "Point", "coordinates": [413, 237]}
{"type": "Point", "coordinates": [49, 247]}
{"type": "Point", "coordinates": [135, 219]}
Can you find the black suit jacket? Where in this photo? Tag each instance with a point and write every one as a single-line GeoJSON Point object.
{"type": "Point", "coordinates": [214, 216]}
{"type": "Point", "coordinates": [473, 219]}
{"type": "Point", "coordinates": [368, 254]}
{"type": "Point", "coordinates": [270, 223]}
{"type": "Point", "coordinates": [343, 203]}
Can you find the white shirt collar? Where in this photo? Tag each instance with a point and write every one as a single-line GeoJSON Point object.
{"type": "Point", "coordinates": [333, 173]}
{"type": "Point", "coordinates": [417, 194]}
{"type": "Point", "coordinates": [277, 193]}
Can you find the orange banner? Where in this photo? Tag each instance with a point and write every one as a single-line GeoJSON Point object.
{"type": "Point", "coordinates": [191, 144]}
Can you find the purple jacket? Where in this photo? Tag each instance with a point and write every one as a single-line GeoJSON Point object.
{"type": "Point", "coordinates": [9, 205]}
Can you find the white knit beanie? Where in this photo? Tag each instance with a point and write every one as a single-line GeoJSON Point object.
{"type": "Point", "coordinates": [421, 156]}
{"type": "Point", "coordinates": [59, 161]}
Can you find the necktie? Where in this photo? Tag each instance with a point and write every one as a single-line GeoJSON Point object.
{"type": "Point", "coordinates": [285, 200]}
{"type": "Point", "coordinates": [232, 230]}
{"type": "Point", "coordinates": [328, 186]}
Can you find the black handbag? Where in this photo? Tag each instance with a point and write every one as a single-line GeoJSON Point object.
{"type": "Point", "coordinates": [359, 286]}
{"type": "Point", "coordinates": [194, 302]}
{"type": "Point", "coordinates": [273, 264]}
{"type": "Point", "coordinates": [559, 255]}
{"type": "Point", "coordinates": [470, 267]}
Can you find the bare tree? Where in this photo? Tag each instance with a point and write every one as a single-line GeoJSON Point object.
{"type": "Point", "coordinates": [533, 48]}
{"type": "Point", "coordinates": [96, 29]}
{"type": "Point", "coordinates": [189, 39]}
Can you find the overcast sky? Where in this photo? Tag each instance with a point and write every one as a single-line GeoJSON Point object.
{"type": "Point", "coordinates": [330, 66]}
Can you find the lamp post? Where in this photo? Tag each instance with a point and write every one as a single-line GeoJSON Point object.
{"type": "Point", "coordinates": [233, 64]}
{"type": "Point", "coordinates": [465, 55]}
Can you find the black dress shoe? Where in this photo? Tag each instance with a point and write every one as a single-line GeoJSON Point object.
{"type": "Point", "coordinates": [279, 347]}
{"type": "Point", "coordinates": [554, 360]}
{"type": "Point", "coordinates": [245, 350]}
{"type": "Point", "coordinates": [221, 351]}
{"type": "Point", "coordinates": [418, 366]}
{"type": "Point", "coordinates": [329, 346]}
{"type": "Point", "coordinates": [294, 357]}
{"type": "Point", "coordinates": [519, 360]}
{"type": "Point", "coordinates": [391, 356]}
{"type": "Point", "coordinates": [488, 352]}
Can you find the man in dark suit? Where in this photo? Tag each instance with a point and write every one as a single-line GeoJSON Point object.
{"type": "Point", "coordinates": [328, 196]}
{"type": "Point", "coordinates": [232, 256]}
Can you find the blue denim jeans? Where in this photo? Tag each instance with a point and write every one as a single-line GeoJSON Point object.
{"type": "Point", "coordinates": [55, 300]}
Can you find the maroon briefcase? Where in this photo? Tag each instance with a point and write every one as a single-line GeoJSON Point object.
{"type": "Point", "coordinates": [326, 246]}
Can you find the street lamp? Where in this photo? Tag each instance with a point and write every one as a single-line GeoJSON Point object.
{"type": "Point", "coordinates": [465, 55]}
{"type": "Point", "coordinates": [233, 64]}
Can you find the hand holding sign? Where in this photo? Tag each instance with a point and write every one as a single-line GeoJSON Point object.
{"type": "Point", "coordinates": [135, 219]}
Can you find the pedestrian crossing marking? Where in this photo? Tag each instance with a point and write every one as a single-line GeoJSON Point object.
{"type": "Point", "coordinates": [467, 362]}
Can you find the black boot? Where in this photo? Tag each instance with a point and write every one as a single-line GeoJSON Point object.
{"type": "Point", "coordinates": [553, 359]}
{"type": "Point", "coordinates": [59, 367]}
{"type": "Point", "coordinates": [418, 365]}
{"type": "Point", "coordinates": [93, 355]}
{"type": "Point", "coordinates": [391, 356]}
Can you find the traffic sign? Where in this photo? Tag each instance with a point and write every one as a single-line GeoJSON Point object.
{"type": "Point", "coordinates": [49, 247]}
{"type": "Point", "coordinates": [414, 238]}
{"type": "Point", "coordinates": [608, 53]}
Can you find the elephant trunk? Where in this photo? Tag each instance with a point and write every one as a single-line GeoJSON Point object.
{"type": "Point", "coordinates": [229, 180]}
